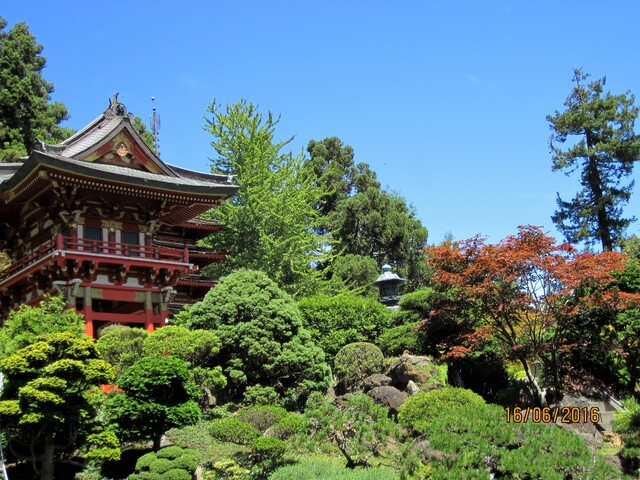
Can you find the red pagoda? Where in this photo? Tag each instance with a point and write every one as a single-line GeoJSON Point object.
{"type": "Point", "coordinates": [101, 219]}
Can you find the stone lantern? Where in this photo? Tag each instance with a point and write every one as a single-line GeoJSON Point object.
{"type": "Point", "coordinates": [389, 283]}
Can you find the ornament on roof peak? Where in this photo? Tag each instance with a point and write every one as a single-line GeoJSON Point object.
{"type": "Point", "coordinates": [115, 107]}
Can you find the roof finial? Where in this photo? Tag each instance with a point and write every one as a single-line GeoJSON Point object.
{"type": "Point", "coordinates": [155, 127]}
{"type": "Point", "coordinates": [115, 107]}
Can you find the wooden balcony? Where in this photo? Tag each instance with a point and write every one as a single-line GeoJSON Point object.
{"type": "Point", "coordinates": [81, 249]}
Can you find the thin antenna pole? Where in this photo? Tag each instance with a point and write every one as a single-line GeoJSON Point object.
{"type": "Point", "coordinates": [155, 127]}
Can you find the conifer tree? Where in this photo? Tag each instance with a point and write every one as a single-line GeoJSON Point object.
{"type": "Point", "coordinates": [26, 115]}
{"type": "Point", "coordinates": [597, 129]}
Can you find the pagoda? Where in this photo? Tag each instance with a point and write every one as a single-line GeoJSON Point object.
{"type": "Point", "coordinates": [102, 220]}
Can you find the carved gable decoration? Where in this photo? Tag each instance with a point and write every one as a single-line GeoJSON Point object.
{"type": "Point", "coordinates": [124, 151]}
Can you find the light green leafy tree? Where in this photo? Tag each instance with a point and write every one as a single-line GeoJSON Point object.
{"type": "Point", "coordinates": [25, 324]}
{"type": "Point", "coordinates": [26, 115]}
{"type": "Point", "coordinates": [44, 410]}
{"type": "Point", "coordinates": [270, 223]}
{"type": "Point", "coordinates": [601, 143]}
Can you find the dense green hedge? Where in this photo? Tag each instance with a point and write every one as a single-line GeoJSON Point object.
{"type": "Point", "coordinates": [337, 321]}
{"type": "Point", "coordinates": [396, 340]}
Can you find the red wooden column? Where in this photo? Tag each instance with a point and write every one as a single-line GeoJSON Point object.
{"type": "Point", "coordinates": [148, 312]}
{"type": "Point", "coordinates": [87, 310]}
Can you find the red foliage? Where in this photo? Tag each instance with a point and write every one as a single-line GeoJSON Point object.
{"type": "Point", "coordinates": [525, 291]}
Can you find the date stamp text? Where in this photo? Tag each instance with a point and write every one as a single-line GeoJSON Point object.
{"type": "Point", "coordinates": [553, 415]}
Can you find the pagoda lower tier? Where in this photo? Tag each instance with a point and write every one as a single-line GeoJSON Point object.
{"type": "Point", "coordinates": [108, 282]}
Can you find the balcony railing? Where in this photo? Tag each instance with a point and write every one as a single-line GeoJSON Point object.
{"type": "Point", "coordinates": [97, 248]}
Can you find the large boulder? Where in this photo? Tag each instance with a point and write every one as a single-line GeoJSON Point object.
{"type": "Point", "coordinates": [375, 380]}
{"type": "Point", "coordinates": [388, 396]}
{"type": "Point", "coordinates": [584, 428]}
{"type": "Point", "coordinates": [414, 368]}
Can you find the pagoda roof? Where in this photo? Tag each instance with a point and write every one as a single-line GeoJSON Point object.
{"type": "Point", "coordinates": [109, 150]}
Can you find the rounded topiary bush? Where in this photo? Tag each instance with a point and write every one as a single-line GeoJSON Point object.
{"type": "Point", "coordinates": [177, 474]}
{"type": "Point", "coordinates": [160, 465]}
{"type": "Point", "coordinates": [355, 362]}
{"type": "Point", "coordinates": [263, 416]}
{"type": "Point", "coordinates": [171, 452]}
{"type": "Point", "coordinates": [233, 430]}
{"type": "Point", "coordinates": [145, 460]}
{"type": "Point", "coordinates": [188, 460]}
{"type": "Point", "coordinates": [290, 425]}
{"type": "Point", "coordinates": [268, 449]}
{"type": "Point", "coordinates": [422, 409]}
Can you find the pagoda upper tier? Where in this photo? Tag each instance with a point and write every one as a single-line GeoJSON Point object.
{"type": "Point", "coordinates": [102, 219]}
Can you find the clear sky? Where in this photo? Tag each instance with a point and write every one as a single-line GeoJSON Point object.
{"type": "Point", "coordinates": [445, 100]}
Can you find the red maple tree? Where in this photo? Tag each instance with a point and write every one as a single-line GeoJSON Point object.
{"type": "Point", "coordinates": [526, 292]}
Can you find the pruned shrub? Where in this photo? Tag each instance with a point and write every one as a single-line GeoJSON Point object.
{"type": "Point", "coordinates": [421, 409]}
{"type": "Point", "coordinates": [263, 416]}
{"type": "Point", "coordinates": [145, 460]}
{"type": "Point", "coordinates": [259, 395]}
{"type": "Point", "coordinates": [337, 321]}
{"type": "Point", "coordinates": [233, 430]}
{"type": "Point", "coordinates": [267, 449]}
{"type": "Point", "coordinates": [171, 452]}
{"type": "Point", "coordinates": [176, 474]}
{"type": "Point", "coordinates": [290, 425]}
{"type": "Point", "coordinates": [263, 340]}
{"type": "Point", "coordinates": [355, 362]}
{"type": "Point", "coordinates": [169, 463]}
{"type": "Point", "coordinates": [160, 465]}
{"type": "Point", "coordinates": [188, 460]}
{"type": "Point", "coordinates": [398, 339]}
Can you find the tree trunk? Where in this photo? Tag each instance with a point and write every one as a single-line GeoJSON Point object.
{"type": "Point", "coordinates": [594, 180]}
{"type": "Point", "coordinates": [542, 401]}
{"type": "Point", "coordinates": [46, 469]}
{"type": "Point", "coordinates": [157, 442]}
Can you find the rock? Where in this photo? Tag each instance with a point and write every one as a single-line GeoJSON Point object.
{"type": "Point", "coordinates": [375, 380]}
{"type": "Point", "coordinates": [428, 454]}
{"type": "Point", "coordinates": [412, 388]}
{"type": "Point", "coordinates": [411, 368]}
{"type": "Point", "coordinates": [612, 440]}
{"type": "Point", "coordinates": [586, 430]}
{"type": "Point", "coordinates": [390, 397]}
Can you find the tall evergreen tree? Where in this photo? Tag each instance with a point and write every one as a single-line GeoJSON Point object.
{"type": "Point", "coordinates": [26, 115]}
{"type": "Point", "coordinates": [364, 220]}
{"type": "Point", "coordinates": [604, 150]}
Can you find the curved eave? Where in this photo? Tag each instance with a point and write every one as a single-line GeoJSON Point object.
{"type": "Point", "coordinates": [41, 165]}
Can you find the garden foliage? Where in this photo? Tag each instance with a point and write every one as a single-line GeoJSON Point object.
{"type": "Point", "coordinates": [263, 341]}
{"type": "Point", "coordinates": [336, 321]}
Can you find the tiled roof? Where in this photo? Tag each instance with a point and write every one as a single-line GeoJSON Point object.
{"type": "Point", "coordinates": [99, 133]}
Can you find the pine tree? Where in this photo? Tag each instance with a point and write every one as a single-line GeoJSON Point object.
{"type": "Point", "coordinates": [604, 151]}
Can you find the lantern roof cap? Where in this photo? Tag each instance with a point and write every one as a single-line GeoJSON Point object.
{"type": "Point", "coordinates": [387, 276]}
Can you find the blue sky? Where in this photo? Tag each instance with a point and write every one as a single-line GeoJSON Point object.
{"type": "Point", "coordinates": [445, 100]}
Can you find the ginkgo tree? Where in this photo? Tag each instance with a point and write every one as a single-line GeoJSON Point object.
{"type": "Point", "coordinates": [525, 293]}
